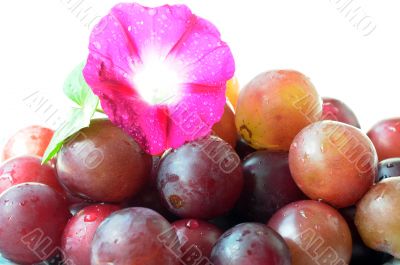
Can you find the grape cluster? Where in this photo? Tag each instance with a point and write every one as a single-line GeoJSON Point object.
{"type": "Point", "coordinates": [286, 177]}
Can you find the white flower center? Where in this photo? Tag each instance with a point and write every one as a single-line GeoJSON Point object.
{"type": "Point", "coordinates": [157, 82]}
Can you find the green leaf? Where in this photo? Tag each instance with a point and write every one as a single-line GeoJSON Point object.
{"type": "Point", "coordinates": [76, 88]}
{"type": "Point", "coordinates": [78, 118]}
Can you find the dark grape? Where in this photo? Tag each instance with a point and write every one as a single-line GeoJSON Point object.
{"type": "Point", "coordinates": [243, 149]}
{"type": "Point", "coordinates": [32, 218]}
{"type": "Point", "coordinates": [250, 244]}
{"type": "Point", "coordinates": [135, 236]}
{"type": "Point", "coordinates": [268, 186]}
{"type": "Point", "coordinates": [102, 163]}
{"type": "Point", "coordinates": [201, 179]}
{"type": "Point", "coordinates": [226, 221]}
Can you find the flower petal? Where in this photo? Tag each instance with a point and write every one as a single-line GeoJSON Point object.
{"type": "Point", "coordinates": [126, 39]}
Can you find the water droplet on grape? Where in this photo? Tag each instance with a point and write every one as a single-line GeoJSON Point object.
{"type": "Point", "coordinates": [192, 224]}
{"type": "Point", "coordinates": [35, 199]}
{"type": "Point", "coordinates": [89, 218]}
{"type": "Point", "coordinates": [303, 214]}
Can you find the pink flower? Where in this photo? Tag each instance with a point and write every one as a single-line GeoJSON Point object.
{"type": "Point", "coordinates": [160, 73]}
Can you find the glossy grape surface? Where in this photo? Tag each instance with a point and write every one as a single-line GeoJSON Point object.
{"type": "Point", "coordinates": [32, 218]}
{"type": "Point", "coordinates": [378, 217]}
{"type": "Point", "coordinates": [250, 244]}
{"type": "Point", "coordinates": [386, 138]}
{"type": "Point", "coordinates": [80, 230]}
{"type": "Point", "coordinates": [268, 186]}
{"type": "Point", "coordinates": [315, 233]}
{"type": "Point", "coordinates": [336, 110]}
{"type": "Point", "coordinates": [102, 163]}
{"type": "Point", "coordinates": [201, 179]}
{"type": "Point", "coordinates": [225, 128]}
{"type": "Point", "coordinates": [27, 169]}
{"type": "Point", "coordinates": [334, 162]}
{"type": "Point", "coordinates": [193, 232]}
{"type": "Point", "coordinates": [135, 236]}
{"type": "Point", "coordinates": [388, 168]}
{"type": "Point", "coordinates": [32, 140]}
{"type": "Point", "coordinates": [274, 107]}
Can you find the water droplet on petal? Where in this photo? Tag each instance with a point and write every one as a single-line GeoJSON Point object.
{"type": "Point", "coordinates": [152, 12]}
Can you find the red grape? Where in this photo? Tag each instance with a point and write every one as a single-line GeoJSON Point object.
{"type": "Point", "coordinates": [386, 138]}
{"type": "Point", "coordinates": [378, 217]}
{"type": "Point", "coordinates": [80, 230]}
{"type": "Point", "coordinates": [334, 162]}
{"type": "Point", "coordinates": [315, 233]}
{"type": "Point", "coordinates": [250, 244]}
{"type": "Point", "coordinates": [32, 140]}
{"type": "Point", "coordinates": [388, 168]}
{"type": "Point", "coordinates": [27, 169]}
{"type": "Point", "coordinates": [102, 163]}
{"type": "Point", "coordinates": [32, 218]}
{"type": "Point", "coordinates": [135, 236]}
{"type": "Point", "coordinates": [268, 185]}
{"type": "Point", "coordinates": [201, 179]}
{"type": "Point", "coordinates": [336, 110]}
{"type": "Point", "coordinates": [192, 232]}
{"type": "Point", "coordinates": [274, 107]}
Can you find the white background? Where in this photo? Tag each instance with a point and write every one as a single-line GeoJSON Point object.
{"type": "Point", "coordinates": [41, 41]}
